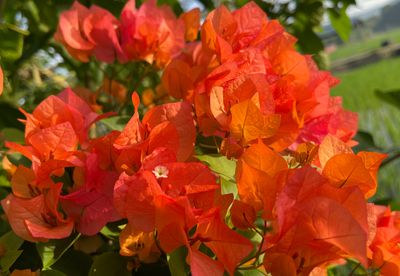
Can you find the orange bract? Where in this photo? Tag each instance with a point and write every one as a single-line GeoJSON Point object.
{"type": "Point", "coordinates": [140, 244]}
{"type": "Point", "coordinates": [256, 174]}
{"type": "Point", "coordinates": [85, 32]}
{"type": "Point", "coordinates": [384, 249]}
{"type": "Point", "coordinates": [248, 123]}
{"type": "Point", "coordinates": [192, 23]}
{"type": "Point", "coordinates": [151, 33]}
{"type": "Point", "coordinates": [360, 170]}
{"type": "Point", "coordinates": [330, 147]}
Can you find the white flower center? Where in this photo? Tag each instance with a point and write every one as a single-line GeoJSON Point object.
{"type": "Point", "coordinates": [160, 172]}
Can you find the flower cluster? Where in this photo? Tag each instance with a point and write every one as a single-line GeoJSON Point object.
{"type": "Point", "coordinates": [149, 33]}
{"type": "Point", "coordinates": [299, 200]}
{"type": "Point", "coordinates": [317, 215]}
{"type": "Point", "coordinates": [57, 142]}
{"type": "Point", "coordinates": [247, 81]}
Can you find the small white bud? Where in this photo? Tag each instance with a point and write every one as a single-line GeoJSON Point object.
{"type": "Point", "coordinates": [160, 172]}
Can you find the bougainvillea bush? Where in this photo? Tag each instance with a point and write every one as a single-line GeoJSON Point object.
{"type": "Point", "coordinates": [245, 166]}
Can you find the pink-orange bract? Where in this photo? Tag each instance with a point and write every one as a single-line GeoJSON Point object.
{"type": "Point", "coordinates": [149, 33]}
{"type": "Point", "coordinates": [301, 202]}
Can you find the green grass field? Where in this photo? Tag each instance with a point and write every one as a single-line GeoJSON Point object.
{"type": "Point", "coordinates": [380, 119]}
{"type": "Point", "coordinates": [358, 47]}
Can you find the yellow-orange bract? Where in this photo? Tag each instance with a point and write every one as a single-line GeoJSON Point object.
{"type": "Point", "coordinates": [257, 170]}
{"type": "Point", "coordinates": [248, 123]}
{"type": "Point", "coordinates": [140, 244]}
{"type": "Point", "coordinates": [359, 170]}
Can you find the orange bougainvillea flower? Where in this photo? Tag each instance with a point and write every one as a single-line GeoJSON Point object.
{"type": "Point", "coordinates": [192, 23]}
{"type": "Point", "coordinates": [317, 223]}
{"type": "Point", "coordinates": [248, 123]}
{"type": "Point", "coordinates": [345, 170]}
{"type": "Point", "coordinates": [336, 121]}
{"type": "Point", "coordinates": [384, 250]}
{"type": "Point", "coordinates": [101, 28]}
{"type": "Point", "coordinates": [139, 244]}
{"type": "Point", "coordinates": [70, 32]}
{"type": "Point", "coordinates": [90, 202]}
{"type": "Point", "coordinates": [180, 115]}
{"type": "Point", "coordinates": [151, 33]}
{"type": "Point", "coordinates": [330, 147]}
{"type": "Point", "coordinates": [56, 138]}
{"type": "Point", "coordinates": [301, 190]}
{"type": "Point", "coordinates": [37, 218]}
{"type": "Point", "coordinates": [173, 197]}
{"type": "Point", "coordinates": [247, 62]}
{"type": "Point", "coordinates": [85, 32]}
{"type": "Point", "coordinates": [50, 150]}
{"type": "Point", "coordinates": [256, 174]}
{"type": "Point", "coordinates": [304, 154]}
{"type": "Point", "coordinates": [243, 215]}
{"type": "Point", "coordinates": [229, 247]}
{"type": "Point", "coordinates": [169, 126]}
{"type": "Point", "coordinates": [65, 107]}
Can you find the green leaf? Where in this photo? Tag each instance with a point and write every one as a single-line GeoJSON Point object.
{"type": "Point", "coordinates": [176, 261]}
{"type": "Point", "coordinates": [53, 250]}
{"type": "Point", "coordinates": [309, 41]}
{"type": "Point", "coordinates": [228, 187]}
{"type": "Point", "coordinates": [253, 272]}
{"type": "Point", "coordinates": [109, 264]}
{"type": "Point", "coordinates": [391, 97]}
{"type": "Point", "coordinates": [109, 233]}
{"type": "Point", "coordinates": [11, 44]}
{"type": "Point", "coordinates": [4, 182]}
{"type": "Point", "coordinates": [9, 243]}
{"type": "Point", "coordinates": [365, 141]}
{"type": "Point", "coordinates": [46, 252]}
{"type": "Point", "coordinates": [116, 122]}
{"type": "Point", "coordinates": [395, 206]}
{"type": "Point", "coordinates": [13, 134]}
{"type": "Point", "coordinates": [51, 272]}
{"type": "Point", "coordinates": [340, 22]}
{"type": "Point", "coordinates": [351, 267]}
{"type": "Point", "coordinates": [74, 262]}
{"type": "Point", "coordinates": [220, 165]}
{"type": "Point", "coordinates": [115, 7]}
{"type": "Point", "coordinates": [9, 114]}
{"type": "Point", "coordinates": [29, 257]}
{"type": "Point", "coordinates": [9, 259]}
{"type": "Point", "coordinates": [208, 4]}
{"type": "Point", "coordinates": [18, 159]}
